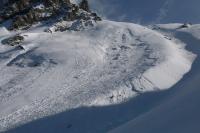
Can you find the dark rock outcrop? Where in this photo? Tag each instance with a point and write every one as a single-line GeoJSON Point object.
{"type": "Point", "coordinates": [23, 13]}
{"type": "Point", "coordinates": [84, 5]}
{"type": "Point", "coordinates": [13, 41]}
{"type": "Point", "coordinates": [185, 25]}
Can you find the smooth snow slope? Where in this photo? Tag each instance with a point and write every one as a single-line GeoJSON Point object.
{"type": "Point", "coordinates": [105, 65]}
{"type": "Point", "coordinates": [146, 11]}
{"type": "Point", "coordinates": [179, 112]}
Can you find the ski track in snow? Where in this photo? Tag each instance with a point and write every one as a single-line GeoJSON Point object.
{"type": "Point", "coordinates": [101, 66]}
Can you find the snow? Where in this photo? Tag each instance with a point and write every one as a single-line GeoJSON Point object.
{"type": "Point", "coordinates": [100, 66]}
{"type": "Point", "coordinates": [169, 72]}
{"type": "Point", "coordinates": [194, 30]}
{"type": "Point", "coordinates": [178, 111]}
{"type": "Point", "coordinates": [3, 31]}
{"type": "Point", "coordinates": [39, 6]}
{"type": "Point", "coordinates": [148, 12]}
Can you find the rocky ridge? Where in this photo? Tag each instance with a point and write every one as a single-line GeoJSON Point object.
{"type": "Point", "coordinates": [21, 14]}
{"type": "Point", "coordinates": [59, 15]}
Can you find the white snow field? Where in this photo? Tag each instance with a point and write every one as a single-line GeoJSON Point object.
{"type": "Point", "coordinates": [101, 66]}
{"type": "Point", "coordinates": [179, 111]}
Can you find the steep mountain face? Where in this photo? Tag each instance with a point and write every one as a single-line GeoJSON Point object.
{"type": "Point", "coordinates": [24, 13]}
{"type": "Point", "coordinates": [57, 57]}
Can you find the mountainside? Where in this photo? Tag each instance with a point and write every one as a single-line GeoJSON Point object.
{"type": "Point", "coordinates": [22, 14]}
{"type": "Point", "coordinates": [148, 12]}
{"type": "Point", "coordinates": [57, 57]}
{"type": "Point", "coordinates": [179, 111]}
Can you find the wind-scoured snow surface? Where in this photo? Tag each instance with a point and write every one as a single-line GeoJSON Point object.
{"type": "Point", "coordinates": [105, 65]}
{"type": "Point", "coordinates": [179, 111]}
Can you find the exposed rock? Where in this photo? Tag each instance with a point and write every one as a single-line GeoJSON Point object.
{"type": "Point", "coordinates": [96, 17]}
{"type": "Point", "coordinates": [185, 25]}
{"type": "Point", "coordinates": [13, 41]}
{"type": "Point", "coordinates": [84, 5]}
{"type": "Point", "coordinates": [80, 21]}
{"type": "Point", "coordinates": [24, 13]}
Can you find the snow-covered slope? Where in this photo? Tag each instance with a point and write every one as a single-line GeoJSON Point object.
{"type": "Point", "coordinates": [103, 65]}
{"type": "Point", "coordinates": [146, 11]}
{"type": "Point", "coordinates": [179, 111]}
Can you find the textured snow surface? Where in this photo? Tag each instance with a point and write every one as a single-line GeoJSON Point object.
{"type": "Point", "coordinates": [179, 111]}
{"type": "Point", "coordinates": [104, 65]}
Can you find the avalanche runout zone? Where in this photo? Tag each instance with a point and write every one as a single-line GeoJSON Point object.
{"type": "Point", "coordinates": [61, 71]}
